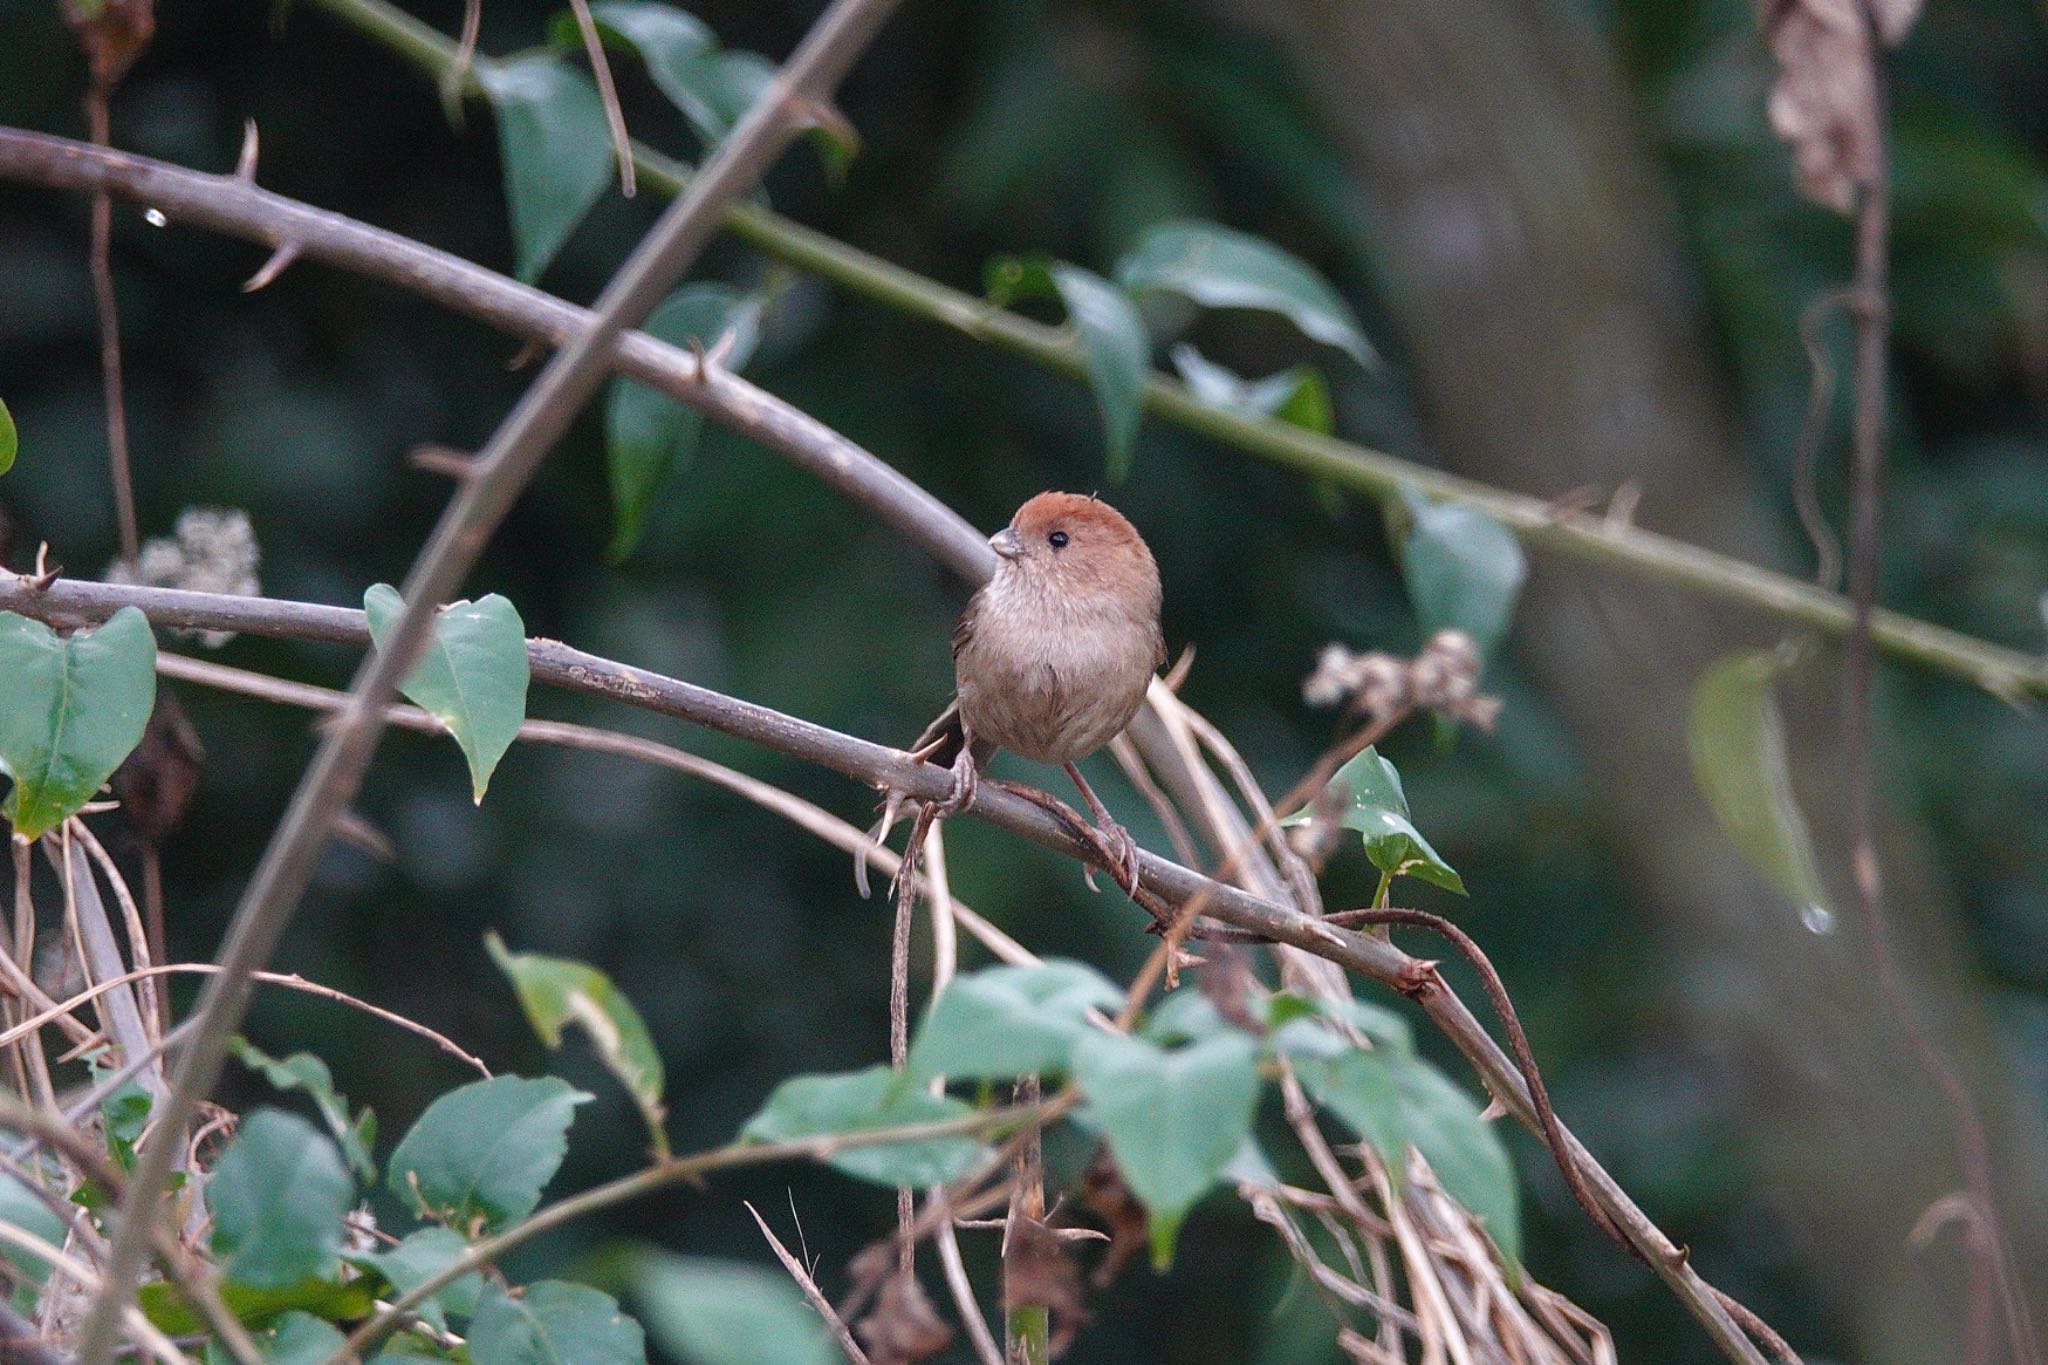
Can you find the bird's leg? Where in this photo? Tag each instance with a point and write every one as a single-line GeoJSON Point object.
{"type": "Point", "coordinates": [966, 778]}
{"type": "Point", "coordinates": [1117, 840]}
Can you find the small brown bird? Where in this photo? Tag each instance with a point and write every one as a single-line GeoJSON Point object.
{"type": "Point", "coordinates": [1052, 656]}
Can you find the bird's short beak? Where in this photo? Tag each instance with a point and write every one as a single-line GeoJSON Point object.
{"type": "Point", "coordinates": [1007, 543]}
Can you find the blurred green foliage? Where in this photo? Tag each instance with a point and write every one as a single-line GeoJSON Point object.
{"type": "Point", "coordinates": [997, 127]}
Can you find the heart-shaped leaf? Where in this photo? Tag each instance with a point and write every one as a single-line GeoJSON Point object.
{"type": "Point", "coordinates": [556, 150]}
{"type": "Point", "coordinates": [1357, 1085]}
{"type": "Point", "coordinates": [300, 1339]}
{"type": "Point", "coordinates": [278, 1196]}
{"type": "Point", "coordinates": [1111, 332]}
{"type": "Point", "coordinates": [1737, 739]}
{"type": "Point", "coordinates": [1172, 1119]}
{"type": "Point", "coordinates": [859, 1102]}
{"type": "Point", "coordinates": [417, 1259]}
{"type": "Point", "coordinates": [556, 991]}
{"type": "Point", "coordinates": [649, 435]}
{"type": "Point", "coordinates": [485, 1151]}
{"type": "Point", "coordinates": [1219, 267]}
{"type": "Point", "coordinates": [76, 706]}
{"type": "Point", "coordinates": [472, 677]}
{"type": "Point", "coordinates": [1463, 570]}
{"type": "Point", "coordinates": [1368, 792]}
{"type": "Point", "coordinates": [1009, 1021]}
{"type": "Point", "coordinates": [19, 1208]}
{"type": "Point", "coordinates": [554, 1323]}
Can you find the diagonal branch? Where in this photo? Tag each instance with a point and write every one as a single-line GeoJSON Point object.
{"type": "Point", "coordinates": [1590, 536]}
{"type": "Point", "coordinates": [502, 469]}
{"type": "Point", "coordinates": [875, 765]}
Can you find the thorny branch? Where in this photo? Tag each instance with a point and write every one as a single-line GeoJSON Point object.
{"type": "Point", "coordinates": [875, 765]}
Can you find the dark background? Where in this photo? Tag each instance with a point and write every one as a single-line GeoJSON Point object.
{"type": "Point", "coordinates": [1728, 1065]}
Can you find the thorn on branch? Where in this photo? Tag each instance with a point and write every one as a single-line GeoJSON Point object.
{"type": "Point", "coordinates": [279, 261]}
{"type": "Point", "coordinates": [440, 459]}
{"type": "Point", "coordinates": [245, 164]}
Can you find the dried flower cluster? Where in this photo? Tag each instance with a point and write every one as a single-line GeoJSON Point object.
{"type": "Point", "coordinates": [1443, 678]}
{"type": "Point", "coordinates": [214, 550]}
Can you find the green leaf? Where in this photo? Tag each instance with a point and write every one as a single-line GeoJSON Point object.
{"type": "Point", "coordinates": [1463, 569]}
{"type": "Point", "coordinates": [649, 435]}
{"type": "Point", "coordinates": [1299, 395]}
{"type": "Point", "coordinates": [485, 1151]}
{"type": "Point", "coordinates": [301, 1339]}
{"type": "Point", "coordinates": [1464, 1150]}
{"type": "Point", "coordinates": [556, 991]}
{"type": "Point", "coordinates": [711, 1312]}
{"type": "Point", "coordinates": [554, 1323]}
{"type": "Point", "coordinates": [278, 1196]}
{"type": "Point", "coordinates": [1183, 1016]}
{"type": "Point", "coordinates": [556, 150]}
{"type": "Point", "coordinates": [20, 1208]}
{"type": "Point", "coordinates": [417, 1259]}
{"type": "Point", "coordinates": [472, 677]}
{"type": "Point", "coordinates": [1172, 1119]}
{"type": "Point", "coordinates": [76, 706]}
{"type": "Point", "coordinates": [714, 89]}
{"type": "Point", "coordinates": [1119, 355]}
{"type": "Point", "coordinates": [10, 439]}
{"type": "Point", "coordinates": [861, 1101]}
{"type": "Point", "coordinates": [1357, 1086]}
{"type": "Point", "coordinates": [1218, 267]}
{"type": "Point", "coordinates": [328, 1299]}
{"type": "Point", "coordinates": [304, 1071]}
{"type": "Point", "coordinates": [1009, 1021]}
{"type": "Point", "coordinates": [1737, 739]}
{"type": "Point", "coordinates": [1299, 1027]}
{"type": "Point", "coordinates": [1368, 791]}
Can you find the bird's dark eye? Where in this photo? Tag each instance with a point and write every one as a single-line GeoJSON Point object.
{"type": "Point", "coordinates": [1058, 540]}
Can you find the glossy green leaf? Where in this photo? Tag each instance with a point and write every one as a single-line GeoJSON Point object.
{"type": "Point", "coordinates": [1172, 1119]}
{"type": "Point", "coordinates": [556, 150]}
{"type": "Point", "coordinates": [556, 992]}
{"type": "Point", "coordinates": [76, 706]}
{"type": "Point", "coordinates": [1463, 569]}
{"type": "Point", "coordinates": [1357, 1085]}
{"type": "Point", "coordinates": [1219, 267]}
{"type": "Point", "coordinates": [1299, 395]}
{"type": "Point", "coordinates": [1739, 760]}
{"type": "Point", "coordinates": [472, 677]}
{"type": "Point", "coordinates": [712, 87]}
{"type": "Point", "coordinates": [20, 1208]}
{"type": "Point", "coordinates": [1119, 355]}
{"type": "Point", "coordinates": [1368, 792]}
{"type": "Point", "coordinates": [1465, 1151]}
{"type": "Point", "coordinates": [278, 1195]}
{"type": "Point", "coordinates": [712, 1312]}
{"type": "Point", "coordinates": [303, 1071]}
{"type": "Point", "coordinates": [553, 1323]}
{"type": "Point", "coordinates": [860, 1101]}
{"type": "Point", "coordinates": [649, 435]}
{"type": "Point", "coordinates": [417, 1259]}
{"type": "Point", "coordinates": [323, 1298]}
{"type": "Point", "coordinates": [1009, 1021]}
{"type": "Point", "coordinates": [485, 1151]}
{"type": "Point", "coordinates": [10, 439]}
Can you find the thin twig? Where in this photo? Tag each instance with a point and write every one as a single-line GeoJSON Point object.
{"type": "Point", "coordinates": [607, 93]}
{"type": "Point", "coordinates": [1992, 1275]}
{"type": "Point", "coordinates": [812, 1293]}
{"type": "Point", "coordinates": [99, 95]}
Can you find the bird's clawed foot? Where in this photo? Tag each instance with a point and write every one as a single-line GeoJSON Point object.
{"type": "Point", "coordinates": [966, 781]}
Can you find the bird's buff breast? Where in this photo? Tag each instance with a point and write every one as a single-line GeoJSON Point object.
{"type": "Point", "coordinates": [1053, 683]}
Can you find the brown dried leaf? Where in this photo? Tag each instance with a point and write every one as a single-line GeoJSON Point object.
{"type": "Point", "coordinates": [1104, 1194]}
{"type": "Point", "coordinates": [1824, 104]}
{"type": "Point", "coordinates": [1038, 1270]}
{"type": "Point", "coordinates": [112, 32]}
{"type": "Point", "coordinates": [157, 781]}
{"type": "Point", "coordinates": [904, 1328]}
